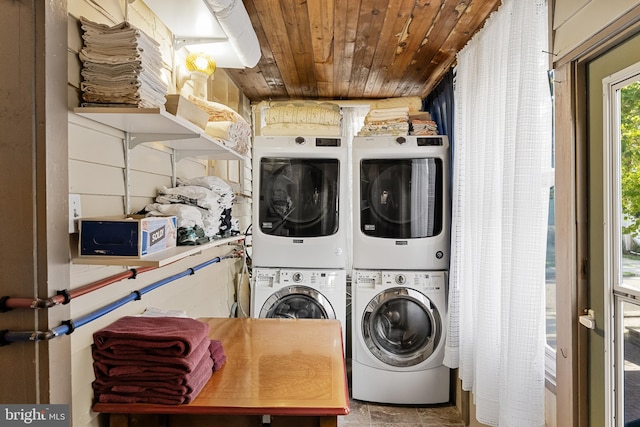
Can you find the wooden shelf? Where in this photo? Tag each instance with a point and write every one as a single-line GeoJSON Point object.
{"type": "Point", "coordinates": [157, 125]}
{"type": "Point", "coordinates": [158, 259]}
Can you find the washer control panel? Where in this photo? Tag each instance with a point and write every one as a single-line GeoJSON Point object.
{"type": "Point", "coordinates": [423, 280]}
{"type": "Point", "coordinates": [367, 278]}
{"type": "Point", "coordinates": [266, 278]}
{"type": "Point", "coordinates": [313, 278]}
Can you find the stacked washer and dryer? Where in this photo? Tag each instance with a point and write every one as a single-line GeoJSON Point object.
{"type": "Point", "coordinates": [401, 225]}
{"type": "Point", "coordinates": [300, 232]}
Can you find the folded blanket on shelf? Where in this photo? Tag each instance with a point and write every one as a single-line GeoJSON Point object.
{"type": "Point", "coordinates": [397, 113]}
{"type": "Point", "coordinates": [297, 129]}
{"type": "Point", "coordinates": [176, 336]}
{"type": "Point", "coordinates": [217, 111]}
{"type": "Point", "coordinates": [225, 124]}
{"type": "Point", "coordinates": [304, 112]}
{"type": "Point", "coordinates": [211, 182]}
{"type": "Point", "coordinates": [189, 195]}
{"type": "Point", "coordinates": [233, 135]}
{"type": "Point", "coordinates": [413, 103]}
{"type": "Point", "coordinates": [187, 216]}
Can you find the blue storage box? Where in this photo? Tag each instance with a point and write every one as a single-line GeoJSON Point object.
{"type": "Point", "coordinates": [132, 236]}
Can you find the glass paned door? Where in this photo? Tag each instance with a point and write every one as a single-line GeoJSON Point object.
{"type": "Point", "coordinates": [622, 132]}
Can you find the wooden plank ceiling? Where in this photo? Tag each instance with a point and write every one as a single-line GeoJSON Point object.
{"type": "Point", "coordinates": [356, 49]}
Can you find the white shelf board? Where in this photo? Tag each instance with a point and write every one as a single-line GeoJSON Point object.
{"type": "Point", "coordinates": [157, 125]}
{"type": "Point", "coordinates": [158, 259]}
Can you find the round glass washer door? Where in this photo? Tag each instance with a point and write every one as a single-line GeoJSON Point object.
{"type": "Point", "coordinates": [401, 327]}
{"type": "Point", "coordinates": [297, 302]}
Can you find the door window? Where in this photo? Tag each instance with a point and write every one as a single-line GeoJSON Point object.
{"type": "Point", "coordinates": [401, 198]}
{"type": "Point", "coordinates": [297, 302]}
{"type": "Point", "coordinates": [401, 327]}
{"type": "Point", "coordinates": [299, 197]}
{"type": "Point", "coordinates": [623, 101]}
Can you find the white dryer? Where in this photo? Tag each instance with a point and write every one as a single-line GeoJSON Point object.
{"type": "Point", "coordinates": [399, 323]}
{"type": "Point", "coordinates": [401, 202]}
{"type": "Point", "coordinates": [299, 294]}
{"type": "Point", "coordinates": [300, 207]}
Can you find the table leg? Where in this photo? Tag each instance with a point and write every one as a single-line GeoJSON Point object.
{"type": "Point", "coordinates": [328, 421]}
{"type": "Point", "coordinates": [118, 420]}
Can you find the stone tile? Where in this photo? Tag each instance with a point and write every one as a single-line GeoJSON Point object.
{"type": "Point", "coordinates": [398, 424]}
{"type": "Point", "coordinates": [359, 415]}
{"type": "Point", "coordinates": [388, 415]}
{"type": "Point", "coordinates": [440, 416]}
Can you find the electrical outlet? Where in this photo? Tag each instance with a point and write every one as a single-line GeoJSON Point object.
{"type": "Point", "coordinates": [75, 212]}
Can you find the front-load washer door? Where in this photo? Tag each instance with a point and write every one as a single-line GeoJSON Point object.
{"type": "Point", "coordinates": [297, 302]}
{"type": "Point", "coordinates": [401, 327]}
{"type": "Point", "coordinates": [299, 196]}
{"type": "Point", "coordinates": [401, 198]}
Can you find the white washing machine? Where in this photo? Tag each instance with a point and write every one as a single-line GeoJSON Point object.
{"type": "Point", "coordinates": [401, 202]}
{"type": "Point", "coordinates": [299, 294]}
{"type": "Point", "coordinates": [300, 208]}
{"type": "Point", "coordinates": [399, 323]}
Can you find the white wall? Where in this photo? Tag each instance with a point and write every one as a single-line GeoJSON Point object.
{"type": "Point", "coordinates": [575, 21]}
{"type": "Point", "coordinates": [96, 173]}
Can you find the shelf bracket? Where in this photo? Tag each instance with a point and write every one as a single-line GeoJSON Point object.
{"type": "Point", "coordinates": [174, 168]}
{"type": "Point", "coordinates": [127, 167]}
{"type": "Point", "coordinates": [180, 42]}
{"type": "Point", "coordinates": [136, 138]}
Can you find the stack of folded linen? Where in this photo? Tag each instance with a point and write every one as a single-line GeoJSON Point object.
{"type": "Point", "coordinates": [121, 67]}
{"type": "Point", "coordinates": [386, 121]}
{"type": "Point", "coordinates": [165, 360]}
{"type": "Point", "coordinates": [312, 118]}
{"type": "Point", "coordinates": [225, 124]}
{"type": "Point", "coordinates": [422, 125]}
{"type": "Point", "coordinates": [202, 206]}
{"type": "Point", "coordinates": [390, 116]}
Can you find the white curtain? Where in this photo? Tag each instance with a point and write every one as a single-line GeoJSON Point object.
{"type": "Point", "coordinates": [500, 206]}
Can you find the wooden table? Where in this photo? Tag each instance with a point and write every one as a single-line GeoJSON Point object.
{"type": "Point", "coordinates": [292, 370]}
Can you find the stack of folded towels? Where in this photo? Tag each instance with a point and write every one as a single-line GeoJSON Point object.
{"type": "Point", "coordinates": [390, 116]}
{"type": "Point", "coordinates": [421, 124]}
{"type": "Point", "coordinates": [121, 67]}
{"type": "Point", "coordinates": [164, 360]}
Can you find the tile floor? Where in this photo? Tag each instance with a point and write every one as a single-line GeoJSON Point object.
{"type": "Point", "coordinates": [365, 414]}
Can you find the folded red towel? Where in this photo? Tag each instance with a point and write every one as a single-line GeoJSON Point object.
{"type": "Point", "coordinates": [123, 390]}
{"type": "Point", "coordinates": [169, 336]}
{"type": "Point", "coordinates": [217, 364]}
{"type": "Point", "coordinates": [217, 354]}
{"type": "Point", "coordinates": [179, 384]}
{"type": "Point", "coordinates": [186, 363]}
{"type": "Point", "coordinates": [128, 398]}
